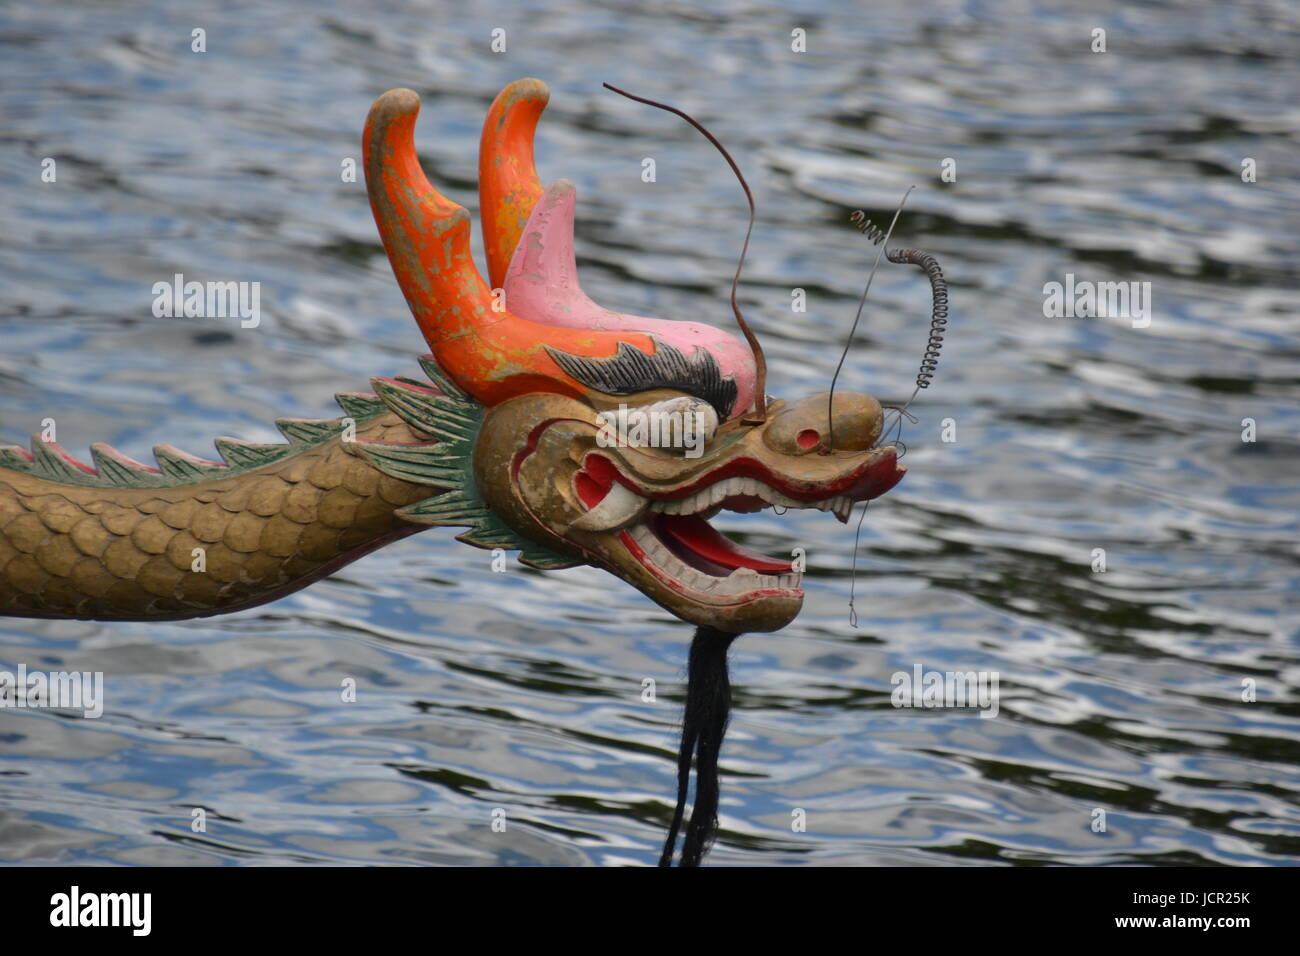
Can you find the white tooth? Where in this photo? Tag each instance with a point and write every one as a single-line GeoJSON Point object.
{"type": "Point", "coordinates": [749, 486]}
{"type": "Point", "coordinates": [672, 507]}
{"type": "Point", "coordinates": [717, 493]}
{"type": "Point", "coordinates": [742, 579]}
{"type": "Point", "coordinates": [619, 508]}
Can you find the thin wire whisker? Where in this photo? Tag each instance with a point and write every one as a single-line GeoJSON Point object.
{"type": "Point", "coordinates": [853, 574]}
{"type": "Point", "coordinates": [848, 343]}
{"type": "Point", "coordinates": [760, 362]}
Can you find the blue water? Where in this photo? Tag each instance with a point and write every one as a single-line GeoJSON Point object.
{"type": "Point", "coordinates": [519, 691]}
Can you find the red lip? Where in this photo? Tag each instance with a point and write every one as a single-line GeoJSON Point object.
{"type": "Point", "coordinates": [871, 479]}
{"type": "Point", "coordinates": [686, 544]}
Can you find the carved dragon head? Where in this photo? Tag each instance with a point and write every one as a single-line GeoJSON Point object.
{"type": "Point", "coordinates": [531, 380]}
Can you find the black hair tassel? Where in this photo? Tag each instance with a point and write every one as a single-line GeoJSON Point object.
{"type": "Point", "coordinates": [708, 706]}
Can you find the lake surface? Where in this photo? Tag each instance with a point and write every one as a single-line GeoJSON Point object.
{"type": "Point", "coordinates": [1121, 691]}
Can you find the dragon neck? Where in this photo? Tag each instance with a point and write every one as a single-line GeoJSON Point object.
{"type": "Point", "coordinates": [121, 540]}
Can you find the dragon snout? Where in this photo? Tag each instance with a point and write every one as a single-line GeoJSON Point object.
{"type": "Point", "coordinates": [813, 424]}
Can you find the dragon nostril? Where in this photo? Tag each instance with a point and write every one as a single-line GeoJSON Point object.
{"type": "Point", "coordinates": [808, 438]}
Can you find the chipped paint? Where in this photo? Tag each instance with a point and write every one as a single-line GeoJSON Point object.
{"type": "Point", "coordinates": [495, 354]}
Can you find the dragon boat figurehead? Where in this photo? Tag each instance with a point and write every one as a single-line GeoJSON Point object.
{"type": "Point", "coordinates": [530, 378]}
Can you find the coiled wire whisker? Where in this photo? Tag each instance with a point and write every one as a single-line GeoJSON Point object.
{"type": "Point", "coordinates": [938, 293]}
{"type": "Point", "coordinates": [853, 330]}
{"type": "Point", "coordinates": [929, 360]}
{"type": "Point", "coordinates": [938, 312]}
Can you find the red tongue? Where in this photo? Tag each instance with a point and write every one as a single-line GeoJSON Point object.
{"type": "Point", "coordinates": [693, 532]}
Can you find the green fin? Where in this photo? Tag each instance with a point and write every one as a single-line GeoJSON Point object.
{"type": "Point", "coordinates": [114, 470]}
{"type": "Point", "coordinates": [444, 412]}
{"type": "Point", "coordinates": [360, 405]}
{"type": "Point", "coordinates": [454, 419]}
{"type": "Point", "coordinates": [180, 468]}
{"type": "Point", "coordinates": [111, 466]}
{"type": "Point", "coordinates": [303, 431]}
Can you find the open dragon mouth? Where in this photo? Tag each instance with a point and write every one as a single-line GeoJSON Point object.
{"type": "Point", "coordinates": [668, 531]}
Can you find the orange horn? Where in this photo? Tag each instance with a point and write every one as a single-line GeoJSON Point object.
{"type": "Point", "coordinates": [508, 187]}
{"type": "Point", "coordinates": [490, 353]}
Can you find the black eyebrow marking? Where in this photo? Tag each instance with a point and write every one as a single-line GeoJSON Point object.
{"type": "Point", "coordinates": [630, 370]}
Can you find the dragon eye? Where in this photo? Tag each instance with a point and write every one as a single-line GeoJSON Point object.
{"type": "Point", "coordinates": [705, 416]}
{"type": "Point", "coordinates": [688, 411]}
{"type": "Point", "coordinates": [682, 423]}
{"type": "Point", "coordinates": [808, 438]}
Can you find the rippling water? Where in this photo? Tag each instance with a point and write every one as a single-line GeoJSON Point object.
{"type": "Point", "coordinates": [1120, 690]}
